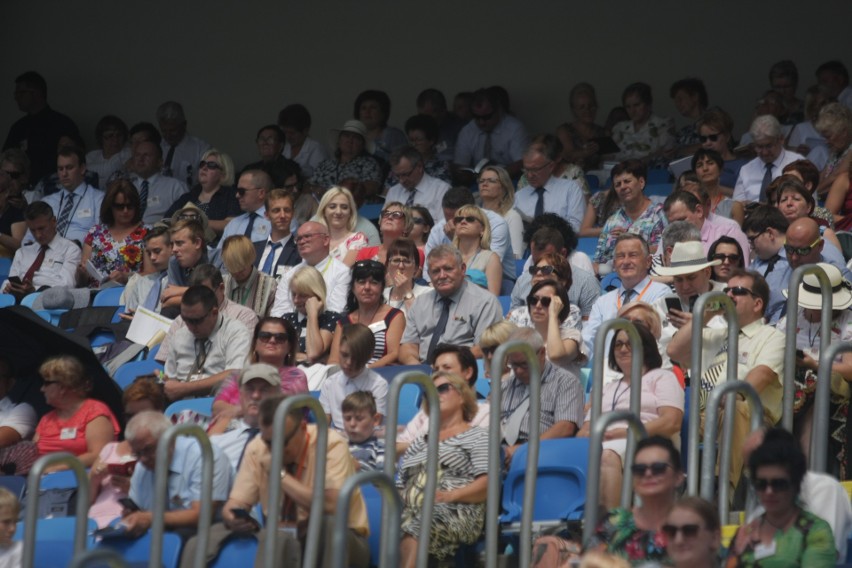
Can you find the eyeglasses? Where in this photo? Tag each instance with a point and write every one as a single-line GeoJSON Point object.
{"type": "Point", "coordinates": [488, 180]}
{"type": "Point", "coordinates": [209, 165]}
{"type": "Point", "coordinates": [268, 337]}
{"type": "Point", "coordinates": [656, 468]}
{"type": "Point", "coordinates": [802, 251]}
{"type": "Point", "coordinates": [444, 388]}
{"type": "Point", "coordinates": [533, 171]}
{"type": "Point", "coordinates": [47, 383]}
{"type": "Point", "coordinates": [395, 215]}
{"type": "Point", "coordinates": [543, 300]}
{"type": "Point", "coordinates": [307, 237]}
{"type": "Point", "coordinates": [188, 217]}
{"type": "Point", "coordinates": [729, 258]}
{"type": "Point", "coordinates": [400, 261]}
{"type": "Point", "coordinates": [618, 345]}
{"type": "Point", "coordinates": [124, 206]}
{"type": "Point", "coordinates": [739, 291]}
{"type": "Point", "coordinates": [753, 238]}
{"type": "Point", "coordinates": [418, 220]}
{"type": "Point", "coordinates": [195, 321]}
{"type": "Point", "coordinates": [240, 191]}
{"type": "Point", "coordinates": [710, 137]}
{"type": "Point", "coordinates": [688, 531]}
{"type": "Point", "coordinates": [466, 218]}
{"type": "Point", "coordinates": [778, 485]}
{"type": "Point", "coordinates": [12, 173]}
{"type": "Point", "coordinates": [545, 270]}
{"type": "Point", "coordinates": [520, 365]}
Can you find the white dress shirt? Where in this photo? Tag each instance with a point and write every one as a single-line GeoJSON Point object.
{"type": "Point", "coordinates": [337, 277]}
{"type": "Point", "coordinates": [226, 349]}
{"type": "Point", "coordinates": [85, 211]}
{"type": "Point", "coordinates": [429, 193]}
{"type": "Point", "coordinates": [59, 267]}
{"type": "Point", "coordinates": [185, 160]}
{"type": "Point", "coordinates": [751, 175]}
{"type": "Point", "coordinates": [561, 196]}
{"type": "Point", "coordinates": [276, 254]}
{"type": "Point", "coordinates": [163, 191]}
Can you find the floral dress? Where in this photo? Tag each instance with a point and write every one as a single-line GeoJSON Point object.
{"type": "Point", "coordinates": [622, 538]}
{"type": "Point", "coordinates": [809, 542]}
{"type": "Point", "coordinates": [109, 254]}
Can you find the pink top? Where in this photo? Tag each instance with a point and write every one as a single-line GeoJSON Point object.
{"type": "Point", "coordinates": [372, 253]}
{"type": "Point", "coordinates": [55, 435]}
{"type": "Point", "coordinates": [715, 226]}
{"type": "Point", "coordinates": [659, 388]}
{"type": "Point", "coordinates": [106, 507]}
{"type": "Point", "coordinates": [293, 381]}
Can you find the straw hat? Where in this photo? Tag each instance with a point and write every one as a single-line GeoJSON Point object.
{"type": "Point", "coordinates": [810, 294]}
{"type": "Point", "coordinates": [356, 127]}
{"type": "Point", "coordinates": [687, 257]}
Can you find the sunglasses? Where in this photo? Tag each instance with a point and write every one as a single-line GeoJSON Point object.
{"type": "Point", "coordinates": [47, 383]}
{"type": "Point", "coordinates": [124, 206]}
{"type": "Point", "coordinates": [188, 217]}
{"type": "Point", "coordinates": [543, 300]}
{"type": "Point", "coordinates": [466, 218]}
{"type": "Point", "coordinates": [209, 165]}
{"type": "Point", "coordinates": [739, 291]}
{"type": "Point", "coordinates": [545, 270]}
{"type": "Point", "coordinates": [710, 137]}
{"type": "Point", "coordinates": [688, 531]}
{"type": "Point", "coordinates": [395, 215]}
{"type": "Point", "coordinates": [657, 468]}
{"type": "Point", "coordinates": [13, 174]}
{"type": "Point", "coordinates": [802, 251]}
{"type": "Point", "coordinates": [241, 191]}
{"type": "Point", "coordinates": [731, 258]}
{"type": "Point", "coordinates": [418, 220]}
{"type": "Point", "coordinates": [196, 321]}
{"type": "Point", "coordinates": [444, 388]}
{"type": "Point", "coordinates": [778, 485]}
{"type": "Point", "coordinates": [268, 337]}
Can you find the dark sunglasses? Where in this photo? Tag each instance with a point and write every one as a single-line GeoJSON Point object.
{"type": "Point", "coordinates": [446, 387]}
{"type": "Point", "coordinates": [468, 218]}
{"type": "Point", "coordinates": [657, 468]}
{"type": "Point", "coordinates": [268, 336]}
{"type": "Point", "coordinates": [710, 137]}
{"type": "Point", "coordinates": [196, 321]}
{"type": "Point", "coordinates": [732, 258]}
{"type": "Point", "coordinates": [689, 531]}
{"type": "Point", "coordinates": [739, 291]}
{"type": "Point", "coordinates": [778, 484]}
{"type": "Point", "coordinates": [124, 206]}
{"type": "Point", "coordinates": [13, 174]}
{"type": "Point", "coordinates": [240, 191]}
{"type": "Point", "coordinates": [543, 300]}
{"type": "Point", "coordinates": [209, 165]}
{"type": "Point", "coordinates": [392, 215]}
{"type": "Point", "coordinates": [545, 270]}
{"type": "Point", "coordinates": [802, 251]}
{"type": "Point", "coordinates": [418, 220]}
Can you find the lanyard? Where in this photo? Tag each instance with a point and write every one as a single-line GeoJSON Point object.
{"type": "Point", "coordinates": [638, 298]}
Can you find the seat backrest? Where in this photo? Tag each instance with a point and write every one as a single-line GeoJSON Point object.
{"type": "Point", "coordinates": [6, 300]}
{"type": "Point", "coordinates": [239, 551]}
{"type": "Point", "coordinates": [128, 372]}
{"type": "Point", "coordinates": [54, 544]}
{"type": "Point", "coordinates": [136, 550]}
{"type": "Point", "coordinates": [410, 394]}
{"type": "Point", "coordinates": [29, 299]}
{"type": "Point", "coordinates": [109, 297]}
{"type": "Point", "coordinates": [200, 405]}
{"type": "Point", "coordinates": [505, 303]}
{"type": "Point", "coordinates": [17, 484]}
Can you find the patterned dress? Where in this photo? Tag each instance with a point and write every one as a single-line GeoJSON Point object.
{"type": "Point", "coordinates": [109, 254]}
{"type": "Point", "coordinates": [461, 459]}
{"type": "Point", "coordinates": [649, 225]}
{"type": "Point", "coordinates": [809, 542]}
{"type": "Point", "coordinates": [622, 538]}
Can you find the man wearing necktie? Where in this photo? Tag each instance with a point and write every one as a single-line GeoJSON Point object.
{"type": "Point", "coordinates": [146, 291]}
{"type": "Point", "coordinates": [756, 175]}
{"type": "Point", "coordinates": [279, 250]}
{"type": "Point", "coordinates": [766, 230]}
{"type": "Point", "coordinates": [252, 188]}
{"type": "Point", "coordinates": [546, 193]}
{"type": "Point", "coordinates": [157, 192]}
{"type": "Point", "coordinates": [77, 205]}
{"type": "Point", "coordinates": [415, 186]}
{"type": "Point", "coordinates": [182, 152]}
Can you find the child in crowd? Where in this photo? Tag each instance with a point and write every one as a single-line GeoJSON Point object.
{"type": "Point", "coordinates": [360, 421]}
{"type": "Point", "coordinates": [356, 348]}
{"type": "Point", "coordinates": [10, 552]}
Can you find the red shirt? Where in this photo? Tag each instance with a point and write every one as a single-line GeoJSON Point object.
{"type": "Point", "coordinates": [56, 435]}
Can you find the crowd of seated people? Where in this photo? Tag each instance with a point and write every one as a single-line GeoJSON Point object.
{"type": "Point", "coordinates": [275, 284]}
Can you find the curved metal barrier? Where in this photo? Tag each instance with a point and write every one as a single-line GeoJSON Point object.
{"type": "Point", "coordinates": [425, 382]}
{"type": "Point", "coordinates": [492, 511]}
{"type": "Point", "coordinates": [822, 398]}
{"type": "Point", "coordinates": [317, 497]}
{"type": "Point", "coordinates": [694, 458]}
{"type": "Point", "coordinates": [161, 486]}
{"type": "Point", "coordinates": [593, 489]}
{"type": "Point", "coordinates": [789, 386]}
{"type": "Point", "coordinates": [81, 502]}
{"type": "Point", "coordinates": [636, 364]}
{"type": "Point", "coordinates": [390, 537]}
{"type": "Point", "coordinates": [98, 557]}
{"type": "Point", "coordinates": [711, 429]}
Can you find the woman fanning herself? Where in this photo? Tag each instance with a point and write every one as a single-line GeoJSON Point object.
{"type": "Point", "coordinates": [403, 267]}
{"type": "Point", "coordinates": [367, 306]}
{"type": "Point", "coordinates": [337, 211]}
{"type": "Point", "coordinates": [459, 513]}
{"type": "Point", "coordinates": [473, 239]}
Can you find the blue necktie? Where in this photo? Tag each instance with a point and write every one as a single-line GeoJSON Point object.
{"type": "Point", "coordinates": [539, 204]}
{"type": "Point", "coordinates": [153, 297]}
{"type": "Point", "coordinates": [440, 328]}
{"type": "Point", "coordinates": [143, 196]}
{"type": "Point", "coordinates": [250, 227]}
{"type": "Point", "coordinates": [270, 259]}
{"type": "Point", "coordinates": [65, 214]}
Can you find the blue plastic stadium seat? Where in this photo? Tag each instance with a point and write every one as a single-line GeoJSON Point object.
{"type": "Point", "coordinates": [505, 303]}
{"type": "Point", "coordinates": [109, 297]}
{"type": "Point", "coordinates": [658, 176]}
{"type": "Point", "coordinates": [660, 189]}
{"type": "Point", "coordinates": [5, 268]}
{"type": "Point", "coordinates": [239, 551]}
{"type": "Point", "coordinates": [200, 405]}
{"type": "Point", "coordinates": [58, 480]}
{"type": "Point", "coordinates": [17, 484]}
{"type": "Point", "coordinates": [128, 372]}
{"type": "Point", "coordinates": [410, 394]}
{"type": "Point", "coordinates": [54, 544]}
{"type": "Point", "coordinates": [138, 550]}
{"type": "Point", "coordinates": [6, 299]}
{"type": "Point", "coordinates": [587, 245]}
{"type": "Point", "coordinates": [29, 299]}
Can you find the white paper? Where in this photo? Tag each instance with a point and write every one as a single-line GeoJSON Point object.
{"type": "Point", "coordinates": [95, 273]}
{"type": "Point", "coordinates": [145, 326]}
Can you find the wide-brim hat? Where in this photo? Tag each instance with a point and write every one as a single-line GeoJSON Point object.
{"type": "Point", "coordinates": [209, 234]}
{"type": "Point", "coordinates": [62, 298]}
{"type": "Point", "coordinates": [686, 258]}
{"type": "Point", "coordinates": [810, 294]}
{"type": "Point", "coordinates": [356, 127]}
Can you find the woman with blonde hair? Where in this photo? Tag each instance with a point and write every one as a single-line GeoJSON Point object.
{"type": "Point", "coordinates": [493, 337]}
{"type": "Point", "coordinates": [244, 283]}
{"type": "Point", "coordinates": [314, 323]}
{"type": "Point", "coordinates": [338, 212]}
{"type": "Point", "coordinates": [497, 193]}
{"type": "Point", "coordinates": [473, 239]}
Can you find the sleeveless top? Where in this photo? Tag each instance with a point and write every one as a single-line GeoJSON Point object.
{"type": "Point", "coordinates": [380, 330]}
{"type": "Point", "coordinates": [476, 269]}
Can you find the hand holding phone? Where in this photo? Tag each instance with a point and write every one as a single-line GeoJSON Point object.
{"type": "Point", "coordinates": [673, 304]}
{"type": "Point", "coordinates": [129, 505]}
{"type": "Point", "coordinates": [244, 516]}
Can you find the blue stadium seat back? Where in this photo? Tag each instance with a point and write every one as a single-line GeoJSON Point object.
{"type": "Point", "coordinates": [58, 480]}
{"type": "Point", "coordinates": [586, 379]}
{"type": "Point", "coordinates": [684, 433]}
{"type": "Point", "coordinates": [5, 268]}
{"type": "Point", "coordinates": [587, 245]}
{"type": "Point", "coordinates": [200, 405]}
{"type": "Point", "coordinates": [101, 338]}
{"type": "Point", "coordinates": [29, 299]}
{"type": "Point", "coordinates": [153, 352]}
{"type": "Point", "coordinates": [483, 385]}
{"type": "Point", "coordinates": [610, 282]}
{"type": "Point", "coordinates": [561, 485]}
{"type": "Point", "coordinates": [6, 299]}
{"type": "Point", "coordinates": [16, 484]}
{"type": "Point", "coordinates": [593, 181]}
{"type": "Point", "coordinates": [658, 189]}
{"type": "Point", "coordinates": [128, 372]}
{"type": "Point", "coordinates": [659, 176]}
{"type": "Point", "coordinates": [409, 397]}
{"type": "Point", "coordinates": [373, 502]}
{"type": "Point", "coordinates": [505, 303]}
{"type": "Point", "coordinates": [238, 551]}
{"type": "Point", "coordinates": [43, 314]}
{"type": "Point", "coordinates": [370, 211]}
{"type": "Point", "coordinates": [519, 266]}
{"type": "Point", "coordinates": [54, 544]}
{"type": "Point", "coordinates": [109, 297]}
{"type": "Point", "coordinates": [54, 314]}
{"type": "Point", "coordinates": [136, 550]}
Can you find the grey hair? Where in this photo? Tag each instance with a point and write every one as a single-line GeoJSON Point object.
{"type": "Point", "coordinates": [529, 336]}
{"type": "Point", "coordinates": [765, 126]}
{"type": "Point", "coordinates": [445, 250]}
{"type": "Point", "coordinates": [171, 110]}
{"type": "Point", "coordinates": [834, 118]}
{"type": "Point", "coordinates": [151, 421]}
{"type": "Point", "coordinates": [679, 231]}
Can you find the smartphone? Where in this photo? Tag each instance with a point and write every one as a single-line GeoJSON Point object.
{"type": "Point", "coordinates": [125, 468]}
{"type": "Point", "coordinates": [15, 280]}
{"type": "Point", "coordinates": [673, 304]}
{"type": "Point", "coordinates": [112, 531]}
{"type": "Point", "coordinates": [129, 504]}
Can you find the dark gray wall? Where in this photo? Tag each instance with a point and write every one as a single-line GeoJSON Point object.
{"type": "Point", "coordinates": [235, 64]}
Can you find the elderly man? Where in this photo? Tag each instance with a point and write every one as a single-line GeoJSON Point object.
{"type": "Point", "coordinates": [771, 158]}
{"type": "Point", "coordinates": [278, 251]}
{"type": "Point", "coordinates": [685, 206]}
{"type": "Point", "coordinates": [183, 152]}
{"type": "Point", "coordinates": [455, 311]}
{"type": "Point", "coordinates": [157, 192]}
{"type": "Point", "coordinates": [48, 261]}
{"type": "Point", "coordinates": [312, 241]}
{"type": "Point", "coordinates": [561, 397]}
{"type": "Point", "coordinates": [805, 245]}
{"type": "Point", "coordinates": [77, 205]}
{"type": "Point", "coordinates": [546, 192]}
{"type": "Point", "coordinates": [251, 193]}
{"type": "Point", "coordinates": [415, 186]}
{"type": "Point", "coordinates": [766, 229]}
{"type": "Point", "coordinates": [183, 501]}
{"type": "Point", "coordinates": [760, 360]}
{"type": "Point", "coordinates": [206, 349]}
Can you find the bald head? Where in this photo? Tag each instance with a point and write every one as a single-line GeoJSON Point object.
{"type": "Point", "coordinates": [804, 243]}
{"type": "Point", "coordinates": [312, 240]}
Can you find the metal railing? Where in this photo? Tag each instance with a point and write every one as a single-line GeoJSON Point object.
{"type": "Point", "coordinates": [161, 486]}
{"type": "Point", "coordinates": [822, 398]}
{"type": "Point", "coordinates": [81, 502]}
{"type": "Point", "coordinates": [635, 368]}
{"type": "Point", "coordinates": [711, 430]}
{"type": "Point", "coordinates": [694, 457]}
{"type": "Point", "coordinates": [495, 468]}
{"type": "Point", "coordinates": [789, 385]}
{"type": "Point", "coordinates": [391, 420]}
{"type": "Point", "coordinates": [593, 489]}
{"type": "Point", "coordinates": [273, 512]}
{"type": "Point", "coordinates": [390, 538]}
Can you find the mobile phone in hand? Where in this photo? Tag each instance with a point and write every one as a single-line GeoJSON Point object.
{"type": "Point", "coordinates": [129, 504]}
{"type": "Point", "coordinates": [673, 304]}
{"type": "Point", "coordinates": [243, 514]}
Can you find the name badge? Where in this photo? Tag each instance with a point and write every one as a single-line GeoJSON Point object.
{"type": "Point", "coordinates": [743, 359]}
{"type": "Point", "coordinates": [84, 213]}
{"type": "Point", "coordinates": [68, 434]}
{"type": "Point", "coordinates": [261, 229]}
{"type": "Point", "coordinates": [48, 262]}
{"type": "Point", "coordinates": [764, 550]}
{"type": "Point", "coordinates": [154, 200]}
{"type": "Point", "coordinates": [378, 326]}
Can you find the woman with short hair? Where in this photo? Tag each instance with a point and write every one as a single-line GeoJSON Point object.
{"type": "Point", "coordinates": [314, 323]}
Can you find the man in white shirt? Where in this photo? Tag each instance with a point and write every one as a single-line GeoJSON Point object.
{"type": "Point", "coordinates": [546, 193]}
{"type": "Point", "coordinates": [415, 186]}
{"type": "Point", "coordinates": [182, 152]}
{"type": "Point", "coordinates": [312, 240]}
{"type": "Point", "coordinates": [278, 251]}
{"type": "Point", "coordinates": [157, 192]}
{"type": "Point", "coordinates": [252, 188]}
{"type": "Point", "coordinates": [771, 158]}
{"type": "Point", "coordinates": [48, 261]}
{"type": "Point", "coordinates": [17, 421]}
{"type": "Point", "coordinates": [77, 205]}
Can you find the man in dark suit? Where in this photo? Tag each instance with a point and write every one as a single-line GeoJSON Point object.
{"type": "Point", "coordinates": [279, 249]}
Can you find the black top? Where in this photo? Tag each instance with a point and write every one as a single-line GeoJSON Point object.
{"type": "Point", "coordinates": [38, 135]}
{"type": "Point", "coordinates": [222, 205]}
{"type": "Point", "coordinates": [9, 217]}
{"type": "Point", "coordinates": [327, 321]}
